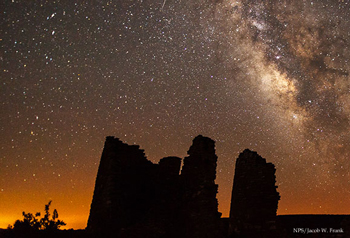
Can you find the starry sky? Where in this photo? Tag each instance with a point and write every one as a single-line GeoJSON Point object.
{"type": "Point", "coordinates": [271, 76]}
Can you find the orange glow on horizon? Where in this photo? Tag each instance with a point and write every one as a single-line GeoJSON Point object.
{"type": "Point", "coordinates": [76, 216]}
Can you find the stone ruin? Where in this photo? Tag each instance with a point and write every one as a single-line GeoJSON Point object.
{"type": "Point", "coordinates": [123, 189]}
{"type": "Point", "coordinates": [135, 198]}
{"type": "Point", "coordinates": [199, 206]}
{"type": "Point", "coordinates": [254, 198]}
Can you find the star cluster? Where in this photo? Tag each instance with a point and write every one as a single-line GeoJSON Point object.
{"type": "Point", "coordinates": [272, 76]}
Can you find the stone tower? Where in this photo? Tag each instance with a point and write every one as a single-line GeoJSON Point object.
{"type": "Point", "coordinates": [254, 196]}
{"type": "Point", "coordinates": [199, 204]}
{"type": "Point", "coordinates": [124, 189]}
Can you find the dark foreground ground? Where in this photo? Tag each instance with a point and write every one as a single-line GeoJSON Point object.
{"type": "Point", "coordinates": [307, 226]}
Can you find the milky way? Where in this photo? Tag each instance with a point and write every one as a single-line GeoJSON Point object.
{"type": "Point", "coordinates": [302, 65]}
{"type": "Point", "coordinates": [272, 76]}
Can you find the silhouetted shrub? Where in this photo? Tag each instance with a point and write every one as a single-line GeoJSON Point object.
{"type": "Point", "coordinates": [33, 223]}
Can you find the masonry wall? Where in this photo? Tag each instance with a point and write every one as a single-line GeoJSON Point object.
{"type": "Point", "coordinates": [124, 189]}
{"type": "Point", "coordinates": [199, 204]}
{"type": "Point", "coordinates": [254, 197]}
{"type": "Point", "coordinates": [135, 198]}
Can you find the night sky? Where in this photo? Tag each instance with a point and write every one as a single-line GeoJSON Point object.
{"type": "Point", "coordinates": [271, 76]}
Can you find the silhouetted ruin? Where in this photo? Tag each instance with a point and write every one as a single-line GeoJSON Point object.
{"type": "Point", "coordinates": [254, 197]}
{"type": "Point", "coordinates": [199, 205]}
{"type": "Point", "coordinates": [123, 189]}
{"type": "Point", "coordinates": [135, 198]}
